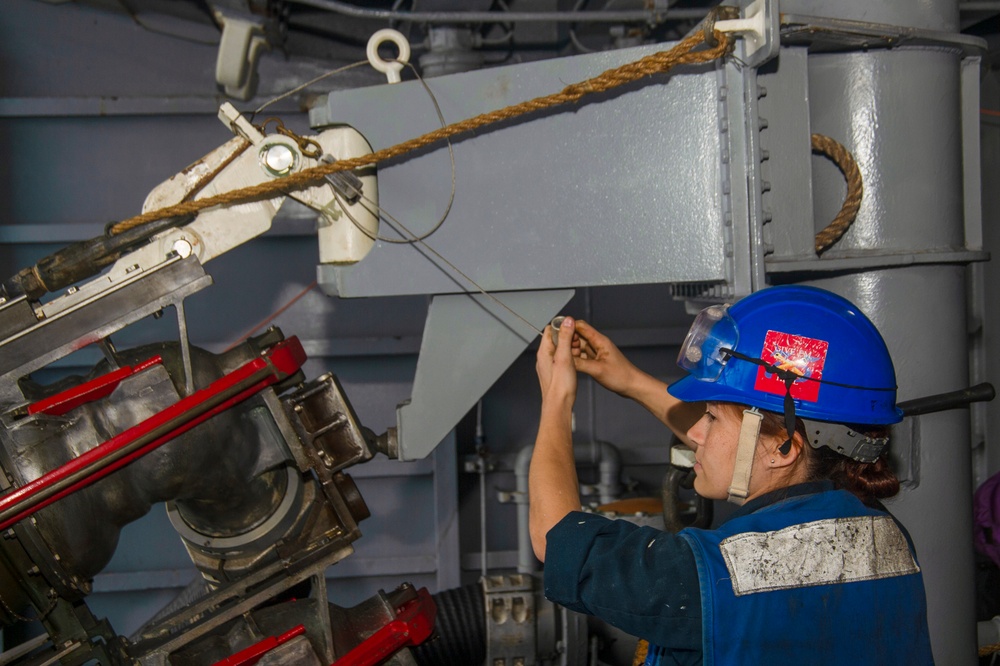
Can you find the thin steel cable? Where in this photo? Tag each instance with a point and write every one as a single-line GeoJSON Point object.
{"type": "Point", "coordinates": [378, 211]}
{"type": "Point", "coordinates": [451, 197]}
{"type": "Point", "coordinates": [271, 317]}
{"type": "Point", "coordinates": [305, 85]}
{"type": "Point", "coordinates": [418, 240]}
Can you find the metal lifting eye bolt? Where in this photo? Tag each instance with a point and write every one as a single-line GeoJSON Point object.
{"type": "Point", "coordinates": [390, 68]}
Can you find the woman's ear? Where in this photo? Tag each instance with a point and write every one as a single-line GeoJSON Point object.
{"type": "Point", "coordinates": [777, 458]}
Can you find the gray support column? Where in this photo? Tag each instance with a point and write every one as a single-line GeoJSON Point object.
{"type": "Point", "coordinates": [898, 111]}
{"type": "Point", "coordinates": [921, 313]}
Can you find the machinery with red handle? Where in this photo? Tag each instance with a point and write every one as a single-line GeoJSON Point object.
{"type": "Point", "coordinates": [248, 456]}
{"type": "Point", "coordinates": [253, 654]}
{"type": "Point", "coordinates": [413, 625]}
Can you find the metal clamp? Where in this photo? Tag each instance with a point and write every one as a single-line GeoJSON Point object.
{"type": "Point", "coordinates": [510, 620]}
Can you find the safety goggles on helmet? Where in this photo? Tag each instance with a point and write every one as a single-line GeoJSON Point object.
{"type": "Point", "coordinates": [712, 340]}
{"type": "Point", "coordinates": [702, 352]}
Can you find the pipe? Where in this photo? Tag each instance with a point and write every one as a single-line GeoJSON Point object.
{"type": "Point", "coordinates": [526, 560]}
{"type": "Point", "coordinates": [680, 474]}
{"type": "Point", "coordinates": [653, 16]}
{"type": "Point", "coordinates": [979, 6]}
{"type": "Point", "coordinates": [609, 465]}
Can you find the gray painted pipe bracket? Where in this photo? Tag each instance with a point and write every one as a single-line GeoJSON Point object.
{"type": "Point", "coordinates": [469, 341]}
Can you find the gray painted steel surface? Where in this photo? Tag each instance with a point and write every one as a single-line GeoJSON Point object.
{"type": "Point", "coordinates": [899, 112]}
{"type": "Point", "coordinates": [624, 187]}
{"type": "Point", "coordinates": [469, 341]}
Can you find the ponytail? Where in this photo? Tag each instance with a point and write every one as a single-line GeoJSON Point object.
{"type": "Point", "coordinates": [868, 481]}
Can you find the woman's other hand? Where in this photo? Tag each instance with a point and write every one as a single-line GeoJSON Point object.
{"type": "Point", "coordinates": [594, 354]}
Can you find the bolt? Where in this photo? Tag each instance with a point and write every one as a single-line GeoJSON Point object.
{"type": "Point", "coordinates": [278, 159]}
{"type": "Point", "coordinates": [182, 247]}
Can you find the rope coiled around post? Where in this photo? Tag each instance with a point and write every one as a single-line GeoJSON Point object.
{"type": "Point", "coordinates": [852, 201]}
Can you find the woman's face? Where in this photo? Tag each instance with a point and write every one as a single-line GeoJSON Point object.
{"type": "Point", "coordinates": [715, 436]}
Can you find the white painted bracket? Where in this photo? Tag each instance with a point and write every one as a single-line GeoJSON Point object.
{"type": "Point", "coordinates": [239, 125]}
{"type": "Point", "coordinates": [242, 42]}
{"type": "Point", "coordinates": [759, 28]}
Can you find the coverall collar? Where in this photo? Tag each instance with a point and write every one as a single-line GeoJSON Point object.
{"type": "Point", "coordinates": [775, 496]}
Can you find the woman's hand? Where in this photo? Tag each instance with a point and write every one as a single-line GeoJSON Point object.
{"type": "Point", "coordinates": [554, 365]}
{"type": "Point", "coordinates": [594, 354]}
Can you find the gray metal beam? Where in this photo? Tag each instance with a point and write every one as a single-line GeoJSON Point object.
{"type": "Point", "coordinates": [625, 187]}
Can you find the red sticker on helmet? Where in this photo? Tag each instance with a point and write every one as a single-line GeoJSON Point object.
{"type": "Point", "coordinates": [803, 356]}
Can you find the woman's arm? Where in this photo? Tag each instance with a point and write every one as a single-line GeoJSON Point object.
{"type": "Point", "coordinates": [553, 487]}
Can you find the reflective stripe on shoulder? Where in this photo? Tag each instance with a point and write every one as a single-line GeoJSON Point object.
{"type": "Point", "coordinates": [838, 550]}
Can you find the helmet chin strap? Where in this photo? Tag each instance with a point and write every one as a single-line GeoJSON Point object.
{"type": "Point", "coordinates": [749, 433]}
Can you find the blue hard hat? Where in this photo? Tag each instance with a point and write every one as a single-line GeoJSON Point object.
{"type": "Point", "coordinates": [795, 340]}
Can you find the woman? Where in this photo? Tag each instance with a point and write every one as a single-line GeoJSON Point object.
{"type": "Point", "coordinates": [798, 391]}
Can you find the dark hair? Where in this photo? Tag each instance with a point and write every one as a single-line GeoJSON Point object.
{"type": "Point", "coordinates": [869, 482]}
